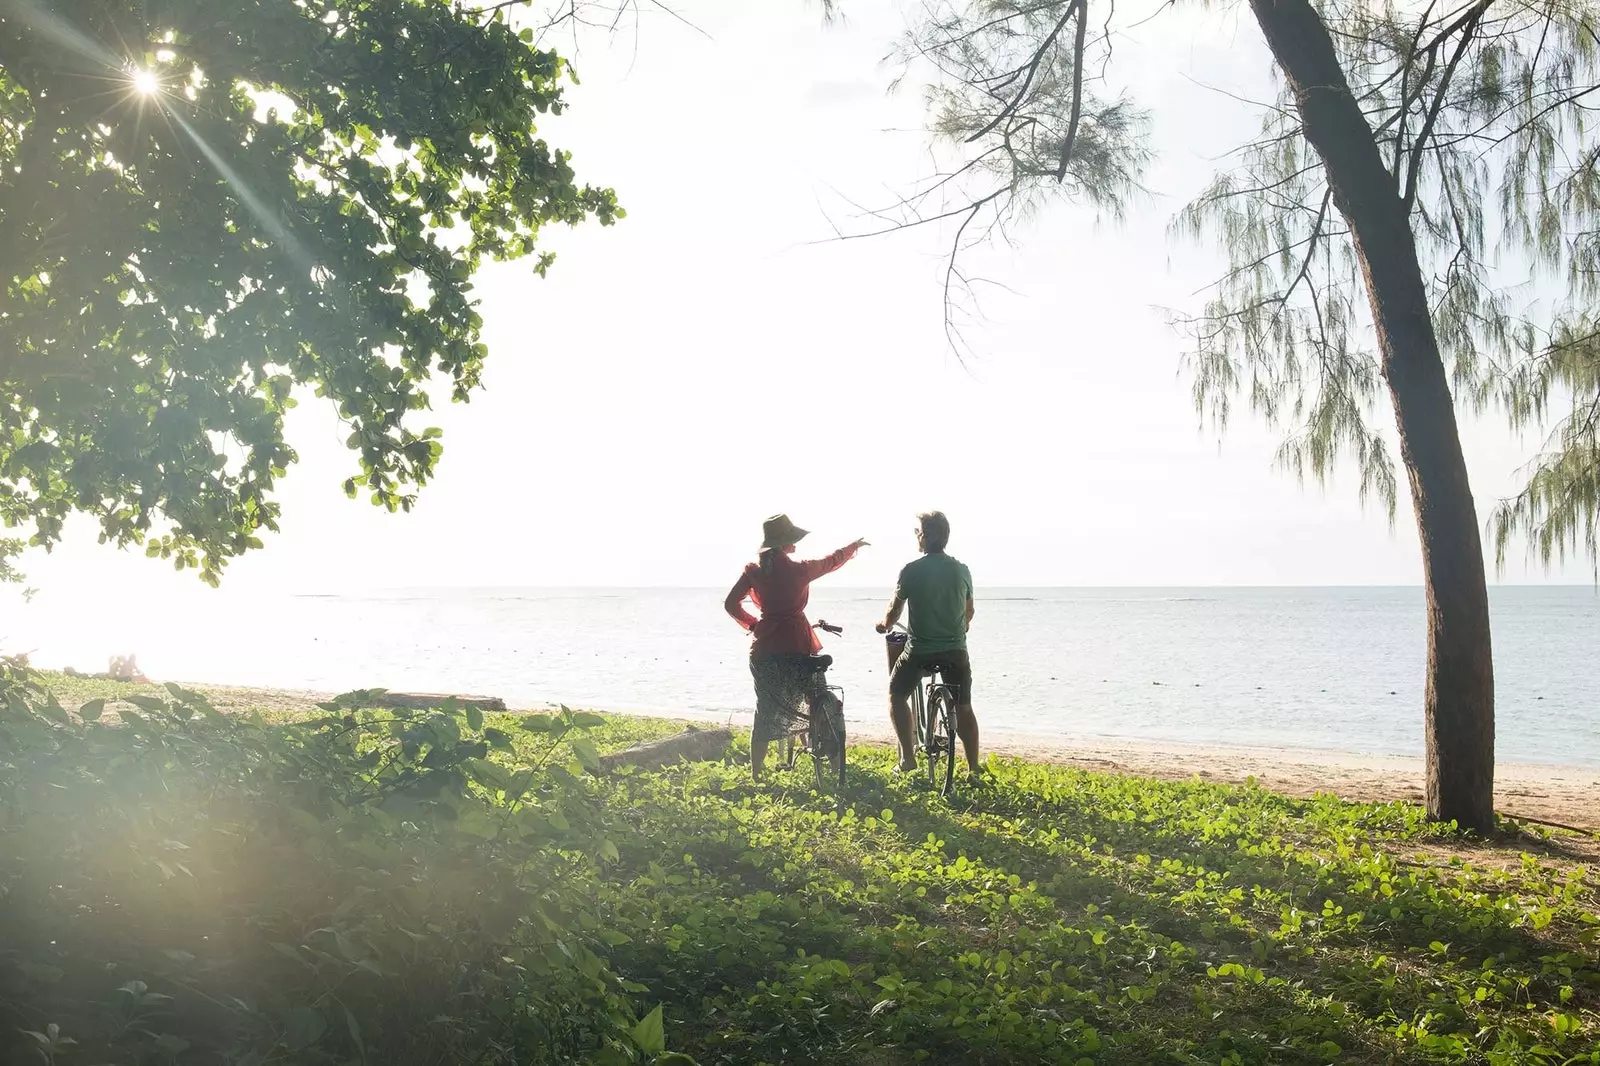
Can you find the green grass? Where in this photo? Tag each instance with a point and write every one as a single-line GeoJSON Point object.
{"type": "Point", "coordinates": [393, 888]}
{"type": "Point", "coordinates": [1057, 915]}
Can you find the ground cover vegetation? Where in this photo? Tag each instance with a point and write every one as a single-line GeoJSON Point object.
{"type": "Point", "coordinates": [180, 885]}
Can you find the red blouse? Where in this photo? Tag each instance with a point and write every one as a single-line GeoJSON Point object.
{"type": "Point", "coordinates": [781, 591]}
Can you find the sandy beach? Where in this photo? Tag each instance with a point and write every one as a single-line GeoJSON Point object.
{"type": "Point", "coordinates": [1566, 795]}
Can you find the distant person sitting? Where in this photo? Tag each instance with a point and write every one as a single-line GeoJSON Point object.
{"type": "Point", "coordinates": [937, 589]}
{"type": "Point", "coordinates": [780, 587]}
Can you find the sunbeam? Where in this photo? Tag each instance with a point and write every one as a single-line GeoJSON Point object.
{"type": "Point", "coordinates": [147, 85]}
{"type": "Point", "coordinates": [274, 226]}
{"type": "Point", "coordinates": [62, 32]}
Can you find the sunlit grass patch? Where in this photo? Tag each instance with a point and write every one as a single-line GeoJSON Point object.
{"type": "Point", "coordinates": [344, 884]}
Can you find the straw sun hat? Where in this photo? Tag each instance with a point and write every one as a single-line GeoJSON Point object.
{"type": "Point", "coordinates": [779, 532]}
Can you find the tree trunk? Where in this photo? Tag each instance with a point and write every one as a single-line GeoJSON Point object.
{"type": "Point", "coordinates": [1459, 704]}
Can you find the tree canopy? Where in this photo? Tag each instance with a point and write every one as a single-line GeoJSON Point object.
{"type": "Point", "coordinates": [206, 203]}
{"type": "Point", "coordinates": [1416, 224]}
{"type": "Point", "coordinates": [1482, 113]}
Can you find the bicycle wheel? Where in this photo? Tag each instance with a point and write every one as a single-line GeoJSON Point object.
{"type": "Point", "coordinates": [932, 735]}
{"type": "Point", "coordinates": [941, 739]}
{"type": "Point", "coordinates": [919, 727]}
{"type": "Point", "coordinates": [827, 758]}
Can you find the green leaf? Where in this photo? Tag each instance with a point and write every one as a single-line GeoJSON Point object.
{"type": "Point", "coordinates": [42, 973]}
{"type": "Point", "coordinates": [172, 1045]}
{"type": "Point", "coordinates": [587, 720]}
{"type": "Point", "coordinates": [354, 1028]}
{"type": "Point", "coordinates": [584, 750]}
{"type": "Point", "coordinates": [474, 718]}
{"type": "Point", "coordinates": [305, 1027]}
{"type": "Point", "coordinates": [490, 775]}
{"type": "Point", "coordinates": [475, 821]}
{"type": "Point", "coordinates": [53, 710]}
{"type": "Point", "coordinates": [650, 1033]}
{"type": "Point", "coordinates": [91, 711]}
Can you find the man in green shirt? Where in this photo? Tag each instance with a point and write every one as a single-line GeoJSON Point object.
{"type": "Point", "coordinates": [938, 590]}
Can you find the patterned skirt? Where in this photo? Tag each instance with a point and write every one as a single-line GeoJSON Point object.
{"type": "Point", "coordinates": [788, 689]}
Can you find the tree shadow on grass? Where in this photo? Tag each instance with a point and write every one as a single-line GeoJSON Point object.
{"type": "Point", "coordinates": [1198, 1019]}
{"type": "Point", "coordinates": [1333, 984]}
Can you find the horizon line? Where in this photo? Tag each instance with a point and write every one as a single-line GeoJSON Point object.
{"type": "Point", "coordinates": [592, 587]}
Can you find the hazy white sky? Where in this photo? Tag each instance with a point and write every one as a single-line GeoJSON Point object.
{"type": "Point", "coordinates": [705, 363]}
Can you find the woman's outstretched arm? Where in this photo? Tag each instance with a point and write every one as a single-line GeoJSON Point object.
{"type": "Point", "coordinates": [815, 568]}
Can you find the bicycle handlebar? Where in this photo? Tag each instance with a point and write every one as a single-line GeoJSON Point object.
{"type": "Point", "coordinates": [826, 628]}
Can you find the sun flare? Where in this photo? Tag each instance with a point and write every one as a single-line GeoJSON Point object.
{"type": "Point", "coordinates": [145, 83]}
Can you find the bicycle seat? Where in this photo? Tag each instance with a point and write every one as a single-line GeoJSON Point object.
{"type": "Point", "coordinates": [817, 663]}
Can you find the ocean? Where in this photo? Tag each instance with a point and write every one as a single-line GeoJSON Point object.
{"type": "Point", "coordinates": [1332, 668]}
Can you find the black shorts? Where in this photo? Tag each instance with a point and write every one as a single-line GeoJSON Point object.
{"type": "Point", "coordinates": [955, 669]}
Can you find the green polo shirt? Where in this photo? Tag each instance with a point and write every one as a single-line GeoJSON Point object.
{"type": "Point", "coordinates": [935, 589]}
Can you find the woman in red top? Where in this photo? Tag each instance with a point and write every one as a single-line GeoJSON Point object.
{"type": "Point", "coordinates": [780, 586]}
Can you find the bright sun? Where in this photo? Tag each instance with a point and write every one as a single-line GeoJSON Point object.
{"type": "Point", "coordinates": [145, 83]}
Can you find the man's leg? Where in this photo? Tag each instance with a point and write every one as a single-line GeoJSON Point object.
{"type": "Point", "coordinates": [966, 721]}
{"type": "Point", "coordinates": [902, 679]}
{"type": "Point", "coordinates": [758, 757]}
{"type": "Point", "coordinates": [967, 730]}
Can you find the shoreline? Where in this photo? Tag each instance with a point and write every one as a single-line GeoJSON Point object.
{"type": "Point", "coordinates": [1567, 795]}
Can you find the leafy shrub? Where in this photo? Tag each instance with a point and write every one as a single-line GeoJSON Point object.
{"type": "Point", "coordinates": [184, 886]}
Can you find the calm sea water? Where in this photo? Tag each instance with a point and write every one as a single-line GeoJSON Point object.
{"type": "Point", "coordinates": [1324, 667]}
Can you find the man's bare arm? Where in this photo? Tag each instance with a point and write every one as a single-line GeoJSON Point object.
{"type": "Point", "coordinates": [892, 616]}
{"type": "Point", "coordinates": [971, 609]}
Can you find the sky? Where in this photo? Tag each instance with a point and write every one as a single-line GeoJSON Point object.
{"type": "Point", "coordinates": [718, 356]}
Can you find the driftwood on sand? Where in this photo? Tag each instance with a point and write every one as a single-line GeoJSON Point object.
{"type": "Point", "coordinates": [422, 701]}
{"type": "Point", "coordinates": [693, 745]}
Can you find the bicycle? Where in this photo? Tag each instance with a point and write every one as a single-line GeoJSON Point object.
{"type": "Point", "coordinates": [818, 731]}
{"type": "Point", "coordinates": [933, 709]}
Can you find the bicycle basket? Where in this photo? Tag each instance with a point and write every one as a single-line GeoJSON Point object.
{"type": "Point", "coordinates": [896, 644]}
